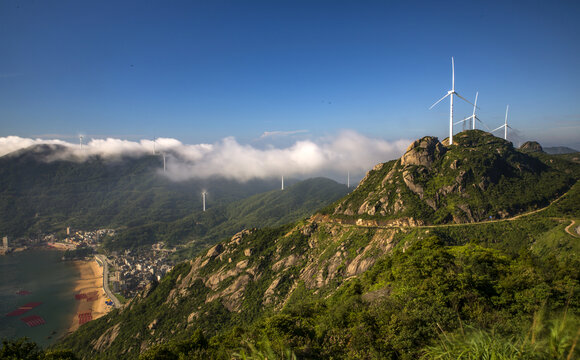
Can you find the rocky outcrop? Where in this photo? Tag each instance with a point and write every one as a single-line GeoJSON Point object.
{"type": "Point", "coordinates": [531, 147]}
{"type": "Point", "coordinates": [423, 152]}
{"type": "Point", "coordinates": [107, 338]}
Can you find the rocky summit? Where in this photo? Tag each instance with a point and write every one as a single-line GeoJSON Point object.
{"type": "Point", "coordinates": [478, 177]}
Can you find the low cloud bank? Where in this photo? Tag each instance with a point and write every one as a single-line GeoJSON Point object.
{"type": "Point", "coordinates": [334, 156]}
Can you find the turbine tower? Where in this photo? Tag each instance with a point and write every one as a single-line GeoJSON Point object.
{"type": "Point", "coordinates": [450, 93]}
{"type": "Point", "coordinates": [203, 197]}
{"type": "Point", "coordinates": [348, 180]}
{"type": "Point", "coordinates": [164, 168]}
{"type": "Point", "coordinates": [282, 182]}
{"type": "Point", "coordinates": [154, 151]}
{"type": "Point", "coordinates": [81, 141]}
{"type": "Point", "coordinates": [474, 117]}
{"type": "Point", "coordinates": [505, 126]}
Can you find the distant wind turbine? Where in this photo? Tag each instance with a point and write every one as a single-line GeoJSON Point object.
{"type": "Point", "coordinates": [450, 93]}
{"type": "Point", "coordinates": [505, 126]}
{"type": "Point", "coordinates": [203, 197]}
{"type": "Point", "coordinates": [473, 117]}
{"type": "Point", "coordinates": [348, 180]}
{"type": "Point", "coordinates": [154, 151]}
{"type": "Point", "coordinates": [164, 168]}
{"type": "Point", "coordinates": [282, 182]}
{"type": "Point", "coordinates": [81, 141]}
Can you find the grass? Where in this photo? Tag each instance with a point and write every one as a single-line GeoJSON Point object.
{"type": "Point", "coordinates": [545, 339]}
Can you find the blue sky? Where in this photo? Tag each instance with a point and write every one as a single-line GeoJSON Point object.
{"type": "Point", "coordinates": [201, 71]}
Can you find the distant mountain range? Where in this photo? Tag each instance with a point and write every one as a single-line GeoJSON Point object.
{"type": "Point", "coordinates": [40, 193]}
{"type": "Point", "coordinates": [556, 150]}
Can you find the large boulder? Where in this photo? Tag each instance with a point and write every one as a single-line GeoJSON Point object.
{"type": "Point", "coordinates": [423, 152]}
{"type": "Point", "coordinates": [531, 146]}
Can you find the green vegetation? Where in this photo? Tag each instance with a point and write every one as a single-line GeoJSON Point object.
{"type": "Point", "coordinates": [271, 208]}
{"type": "Point", "coordinates": [556, 339]}
{"type": "Point", "coordinates": [79, 253]}
{"type": "Point", "coordinates": [490, 287]}
{"type": "Point", "coordinates": [320, 289]}
{"type": "Point", "coordinates": [23, 349]}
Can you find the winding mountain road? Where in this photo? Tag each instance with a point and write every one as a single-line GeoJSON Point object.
{"type": "Point", "coordinates": [516, 217]}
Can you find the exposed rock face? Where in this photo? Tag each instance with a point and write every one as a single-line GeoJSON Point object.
{"type": "Point", "coordinates": [409, 180]}
{"type": "Point", "coordinates": [531, 146]}
{"type": "Point", "coordinates": [105, 340]}
{"type": "Point", "coordinates": [423, 152]}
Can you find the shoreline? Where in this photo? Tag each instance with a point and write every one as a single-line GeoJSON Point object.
{"type": "Point", "coordinates": [89, 283]}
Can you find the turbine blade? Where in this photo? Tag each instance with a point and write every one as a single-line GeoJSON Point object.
{"type": "Point", "coordinates": [497, 128]}
{"type": "Point", "coordinates": [452, 74]}
{"type": "Point", "coordinates": [506, 113]}
{"type": "Point", "coordinates": [482, 123]}
{"type": "Point", "coordinates": [469, 102]}
{"type": "Point", "coordinates": [460, 121]}
{"type": "Point", "coordinates": [438, 101]}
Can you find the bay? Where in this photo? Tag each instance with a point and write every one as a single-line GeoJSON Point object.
{"type": "Point", "coordinates": [49, 281]}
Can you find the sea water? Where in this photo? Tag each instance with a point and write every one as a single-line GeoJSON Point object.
{"type": "Point", "coordinates": [50, 281]}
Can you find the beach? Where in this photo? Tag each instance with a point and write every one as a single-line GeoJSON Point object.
{"type": "Point", "coordinates": [89, 294]}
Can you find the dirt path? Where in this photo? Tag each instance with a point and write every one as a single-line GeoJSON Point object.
{"type": "Point", "coordinates": [489, 221]}
{"type": "Point", "coordinates": [575, 233]}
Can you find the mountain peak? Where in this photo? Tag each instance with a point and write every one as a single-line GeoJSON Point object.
{"type": "Point", "coordinates": [478, 177]}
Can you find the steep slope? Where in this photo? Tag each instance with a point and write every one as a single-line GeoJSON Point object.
{"type": "Point", "coordinates": [479, 177]}
{"type": "Point", "coordinates": [326, 289]}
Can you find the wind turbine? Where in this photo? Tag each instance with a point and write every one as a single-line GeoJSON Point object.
{"type": "Point", "coordinates": [81, 141]}
{"type": "Point", "coordinates": [505, 126]}
{"type": "Point", "coordinates": [450, 93]}
{"type": "Point", "coordinates": [473, 117]}
{"type": "Point", "coordinates": [203, 197]}
{"type": "Point", "coordinates": [154, 152]}
{"type": "Point", "coordinates": [282, 182]}
{"type": "Point", "coordinates": [164, 168]}
{"type": "Point", "coordinates": [348, 180]}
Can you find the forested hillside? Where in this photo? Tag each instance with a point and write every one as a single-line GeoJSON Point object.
{"type": "Point", "coordinates": [326, 287]}
{"type": "Point", "coordinates": [41, 192]}
{"type": "Point", "coordinates": [200, 229]}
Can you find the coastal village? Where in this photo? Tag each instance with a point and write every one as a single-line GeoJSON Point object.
{"type": "Point", "coordinates": [129, 271]}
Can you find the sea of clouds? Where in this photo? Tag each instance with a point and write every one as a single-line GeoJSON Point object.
{"type": "Point", "coordinates": [334, 156]}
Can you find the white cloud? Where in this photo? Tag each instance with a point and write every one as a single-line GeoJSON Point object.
{"type": "Point", "coordinates": [9, 144]}
{"type": "Point", "coordinates": [331, 156]}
